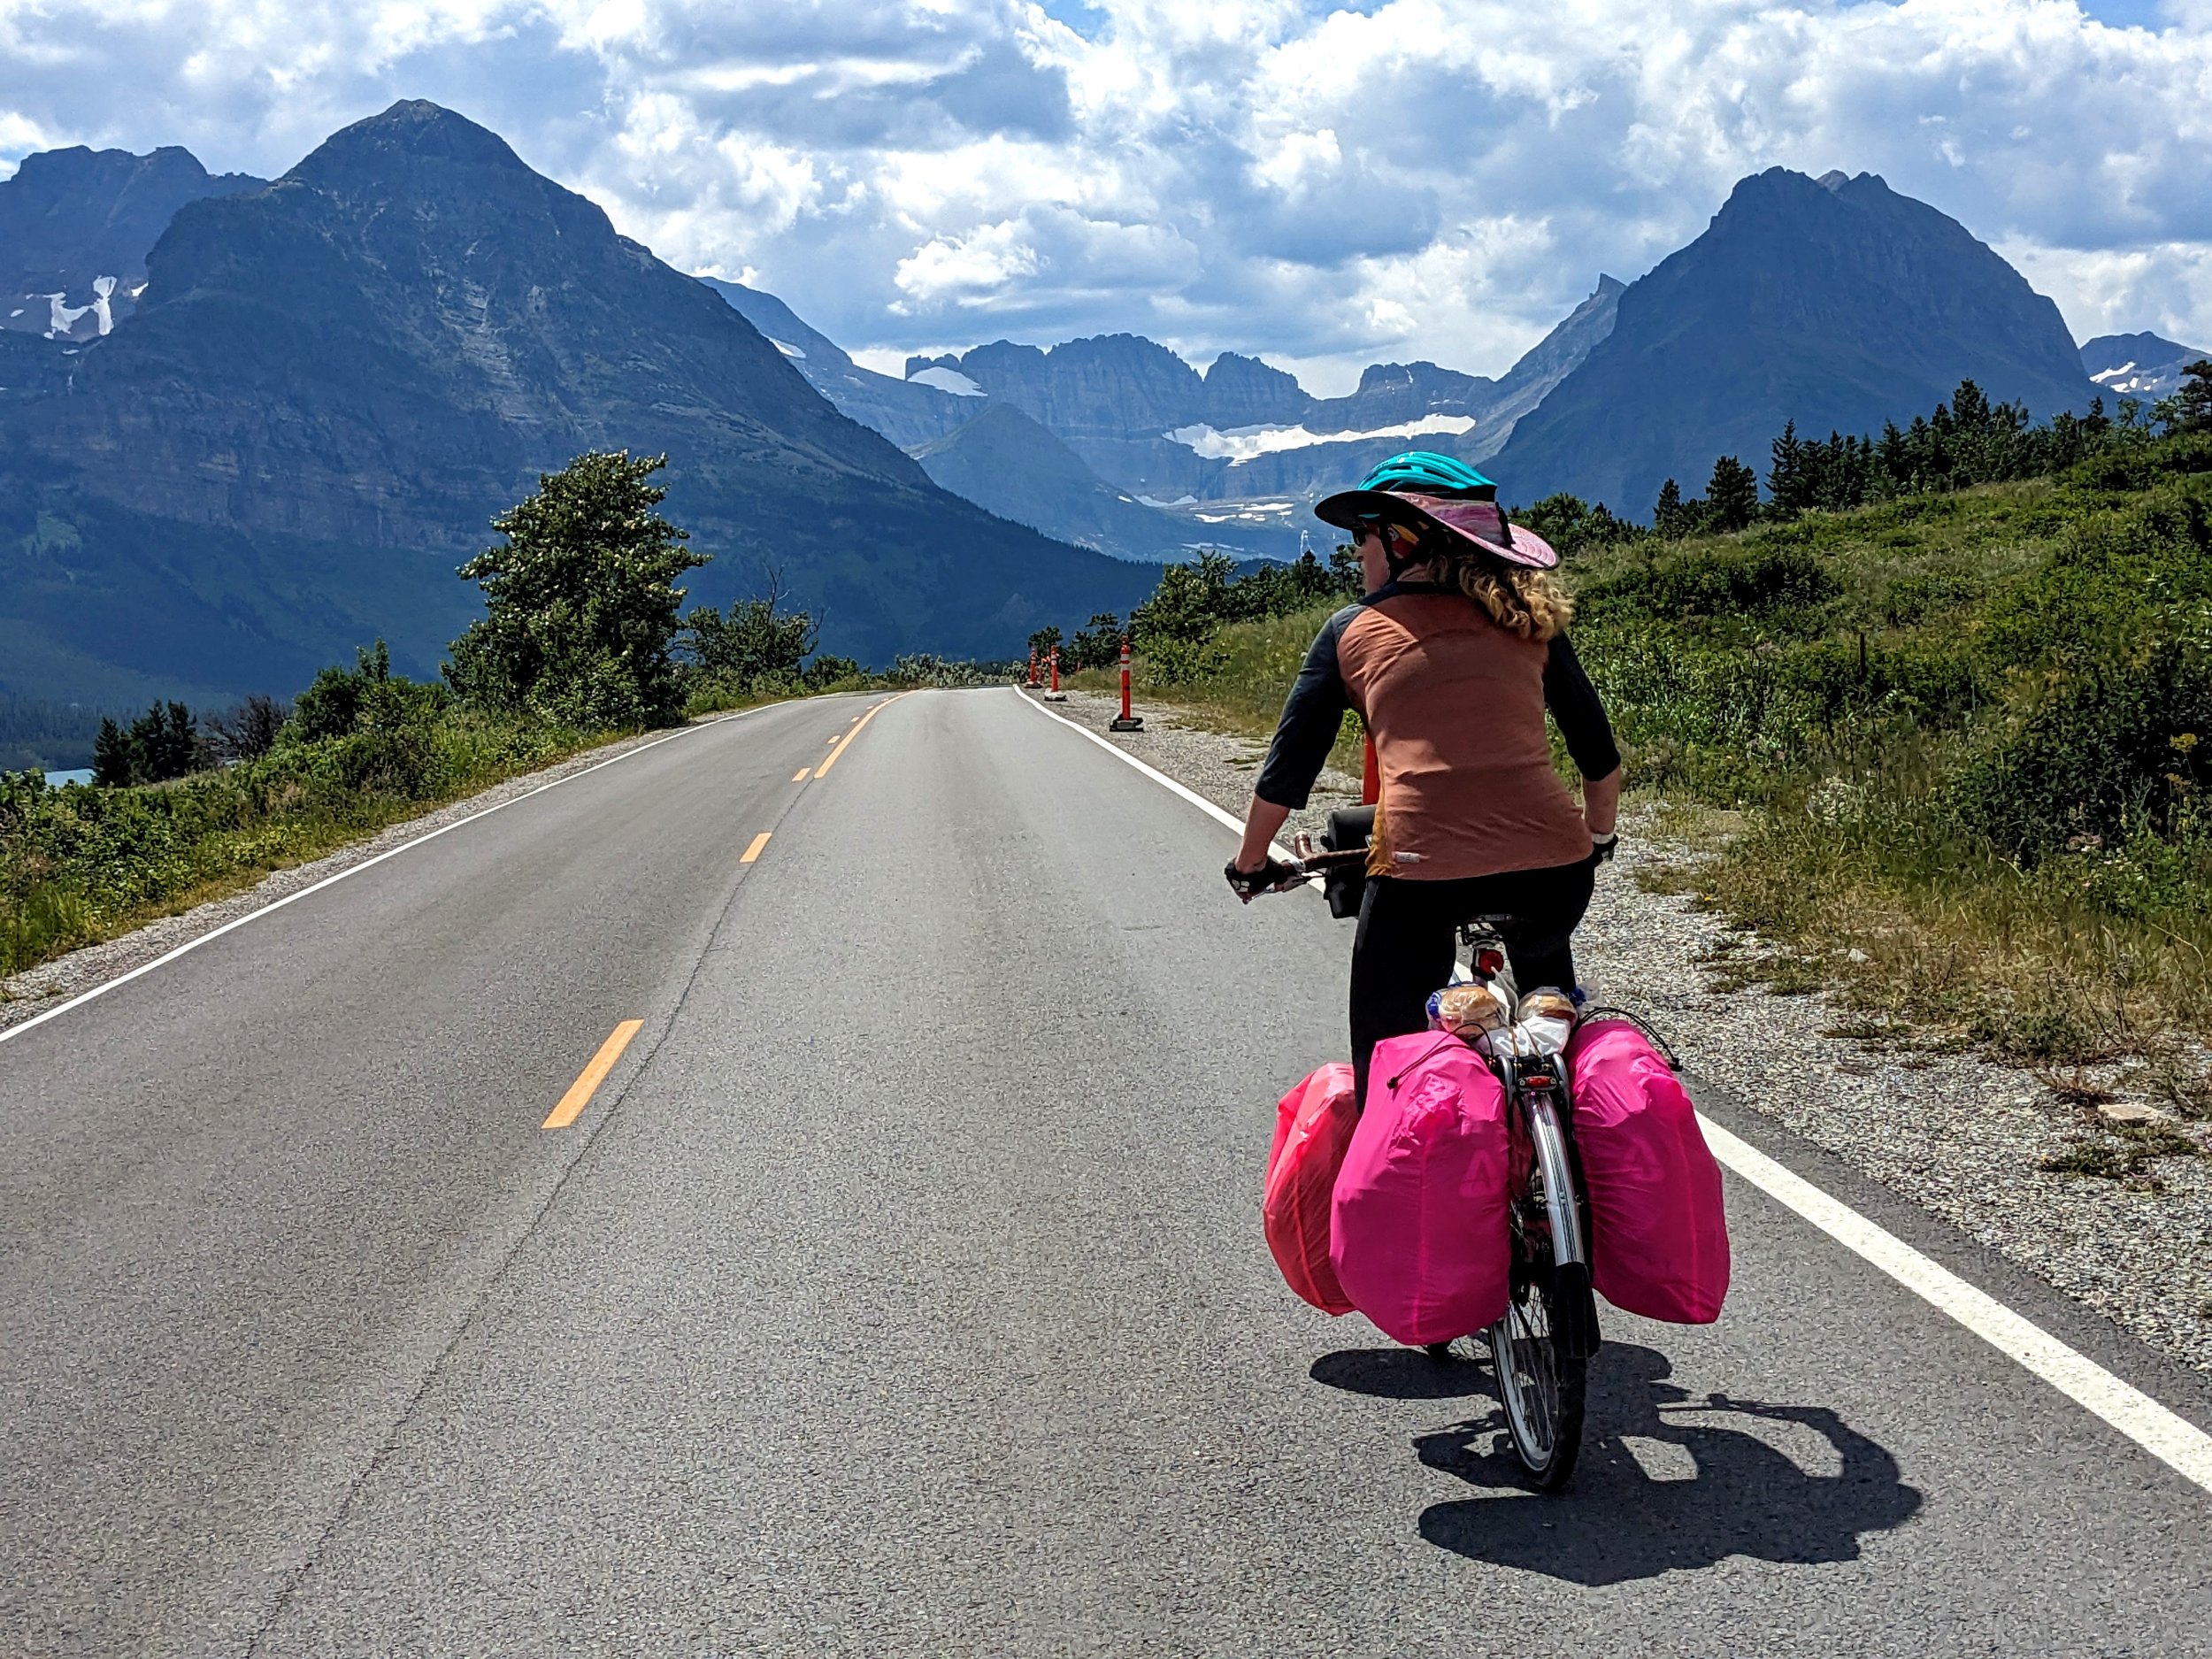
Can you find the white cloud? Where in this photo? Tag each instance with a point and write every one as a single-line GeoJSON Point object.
{"type": "Point", "coordinates": [1415, 178]}
{"type": "Point", "coordinates": [967, 270]}
{"type": "Point", "coordinates": [2166, 288]}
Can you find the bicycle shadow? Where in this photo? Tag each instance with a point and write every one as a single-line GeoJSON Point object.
{"type": "Point", "coordinates": [1616, 1523]}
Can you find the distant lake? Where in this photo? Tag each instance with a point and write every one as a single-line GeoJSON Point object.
{"type": "Point", "coordinates": [55, 779]}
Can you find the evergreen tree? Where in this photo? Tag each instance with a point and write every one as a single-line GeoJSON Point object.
{"type": "Point", "coordinates": [112, 766]}
{"type": "Point", "coordinates": [162, 743]}
{"type": "Point", "coordinates": [1668, 518]}
{"type": "Point", "coordinates": [2192, 405]}
{"type": "Point", "coordinates": [581, 604]}
{"type": "Point", "coordinates": [1732, 497]}
{"type": "Point", "coordinates": [1791, 482]}
{"type": "Point", "coordinates": [166, 743]}
{"type": "Point", "coordinates": [1097, 644]}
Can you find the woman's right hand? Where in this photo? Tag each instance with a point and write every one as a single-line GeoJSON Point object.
{"type": "Point", "coordinates": [1250, 884]}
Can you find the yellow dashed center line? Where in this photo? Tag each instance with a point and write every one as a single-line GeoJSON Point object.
{"type": "Point", "coordinates": [802, 775]}
{"type": "Point", "coordinates": [859, 726]}
{"type": "Point", "coordinates": [760, 841]}
{"type": "Point", "coordinates": [587, 1081]}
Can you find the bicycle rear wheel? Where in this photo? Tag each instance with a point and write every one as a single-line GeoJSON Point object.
{"type": "Point", "coordinates": [1540, 1350]}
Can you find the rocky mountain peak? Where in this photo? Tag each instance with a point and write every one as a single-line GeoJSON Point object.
{"type": "Point", "coordinates": [1243, 391]}
{"type": "Point", "coordinates": [403, 138]}
{"type": "Point", "coordinates": [1833, 303]}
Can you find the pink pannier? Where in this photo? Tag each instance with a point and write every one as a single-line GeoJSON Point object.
{"type": "Point", "coordinates": [1659, 1240]}
{"type": "Point", "coordinates": [1313, 1126]}
{"type": "Point", "coordinates": [1419, 1229]}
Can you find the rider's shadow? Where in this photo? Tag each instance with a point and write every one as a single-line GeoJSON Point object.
{"type": "Point", "coordinates": [1742, 1496]}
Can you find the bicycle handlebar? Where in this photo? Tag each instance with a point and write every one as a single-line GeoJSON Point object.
{"type": "Point", "coordinates": [1295, 872]}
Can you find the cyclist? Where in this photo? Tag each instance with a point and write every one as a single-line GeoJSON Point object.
{"type": "Point", "coordinates": [1451, 658]}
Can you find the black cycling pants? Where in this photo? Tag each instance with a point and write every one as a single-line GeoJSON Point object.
{"type": "Point", "coordinates": [1407, 931]}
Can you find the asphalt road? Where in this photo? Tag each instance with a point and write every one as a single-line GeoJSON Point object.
{"type": "Point", "coordinates": [902, 1290]}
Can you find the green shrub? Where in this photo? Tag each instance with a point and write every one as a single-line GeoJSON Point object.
{"type": "Point", "coordinates": [2117, 746]}
{"type": "Point", "coordinates": [1751, 580]}
{"type": "Point", "coordinates": [2143, 466]}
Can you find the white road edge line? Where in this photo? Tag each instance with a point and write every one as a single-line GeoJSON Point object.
{"type": "Point", "coordinates": [1227, 820]}
{"type": "Point", "coordinates": [105, 985]}
{"type": "Point", "coordinates": [2171, 1438]}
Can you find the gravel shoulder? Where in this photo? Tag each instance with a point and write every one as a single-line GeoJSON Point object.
{"type": "Point", "coordinates": [1958, 1134]}
{"type": "Point", "coordinates": [27, 995]}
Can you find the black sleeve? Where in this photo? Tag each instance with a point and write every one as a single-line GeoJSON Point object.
{"type": "Point", "coordinates": [1312, 717]}
{"type": "Point", "coordinates": [1573, 701]}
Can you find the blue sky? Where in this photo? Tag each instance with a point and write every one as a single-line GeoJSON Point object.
{"type": "Point", "coordinates": [1324, 186]}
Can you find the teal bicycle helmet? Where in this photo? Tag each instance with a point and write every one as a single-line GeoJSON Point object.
{"type": "Point", "coordinates": [1425, 473]}
{"type": "Point", "coordinates": [1429, 494]}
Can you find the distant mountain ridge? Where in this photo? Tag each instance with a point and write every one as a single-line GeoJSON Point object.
{"type": "Point", "coordinates": [2142, 366]}
{"type": "Point", "coordinates": [75, 226]}
{"type": "Point", "coordinates": [1834, 303]}
{"type": "Point", "coordinates": [1151, 425]}
{"type": "Point", "coordinates": [332, 383]}
{"type": "Point", "coordinates": [989, 452]}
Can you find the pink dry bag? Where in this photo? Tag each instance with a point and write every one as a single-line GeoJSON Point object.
{"type": "Point", "coordinates": [1419, 1229]}
{"type": "Point", "coordinates": [1313, 1126]}
{"type": "Point", "coordinates": [1659, 1240]}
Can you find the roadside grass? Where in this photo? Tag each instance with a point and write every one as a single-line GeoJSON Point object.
{"type": "Point", "coordinates": [1944, 757]}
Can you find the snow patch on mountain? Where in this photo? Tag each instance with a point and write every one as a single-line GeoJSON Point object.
{"type": "Point", "coordinates": [2142, 365]}
{"type": "Point", "coordinates": [948, 380]}
{"type": "Point", "coordinates": [60, 316]}
{"type": "Point", "coordinates": [1249, 512]}
{"type": "Point", "coordinates": [787, 348]}
{"type": "Point", "coordinates": [1241, 444]}
{"type": "Point", "coordinates": [2127, 382]}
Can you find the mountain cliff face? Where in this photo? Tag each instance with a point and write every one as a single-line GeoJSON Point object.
{"type": "Point", "coordinates": [75, 227]}
{"type": "Point", "coordinates": [1834, 303]}
{"type": "Point", "coordinates": [2141, 366]}
{"type": "Point", "coordinates": [333, 382]}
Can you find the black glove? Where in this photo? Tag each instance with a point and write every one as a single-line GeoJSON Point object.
{"type": "Point", "coordinates": [1250, 884]}
{"type": "Point", "coordinates": [1602, 847]}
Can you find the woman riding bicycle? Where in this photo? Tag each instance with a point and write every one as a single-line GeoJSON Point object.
{"type": "Point", "coordinates": [1451, 658]}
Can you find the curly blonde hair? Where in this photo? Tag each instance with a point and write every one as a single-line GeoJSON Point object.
{"type": "Point", "coordinates": [1528, 603]}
